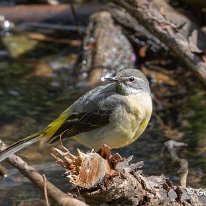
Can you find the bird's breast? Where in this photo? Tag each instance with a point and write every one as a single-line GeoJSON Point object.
{"type": "Point", "coordinates": [133, 117]}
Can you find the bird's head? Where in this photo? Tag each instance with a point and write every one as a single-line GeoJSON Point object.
{"type": "Point", "coordinates": [130, 81]}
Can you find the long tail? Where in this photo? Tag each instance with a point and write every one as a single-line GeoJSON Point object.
{"type": "Point", "coordinates": [21, 144]}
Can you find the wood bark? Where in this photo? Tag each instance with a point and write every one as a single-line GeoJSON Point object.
{"type": "Point", "coordinates": [183, 37]}
{"type": "Point", "coordinates": [102, 178]}
{"type": "Point", "coordinates": [106, 49]}
{"type": "Point", "coordinates": [105, 178]}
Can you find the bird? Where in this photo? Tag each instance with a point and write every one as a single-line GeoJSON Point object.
{"type": "Point", "coordinates": [114, 114]}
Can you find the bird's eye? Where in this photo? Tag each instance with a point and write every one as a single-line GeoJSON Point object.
{"type": "Point", "coordinates": [131, 79]}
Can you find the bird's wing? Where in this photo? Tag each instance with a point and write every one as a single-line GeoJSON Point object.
{"type": "Point", "coordinates": [89, 112]}
{"type": "Point", "coordinates": [78, 123]}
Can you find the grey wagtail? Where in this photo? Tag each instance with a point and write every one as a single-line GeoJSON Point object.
{"type": "Point", "coordinates": [115, 114]}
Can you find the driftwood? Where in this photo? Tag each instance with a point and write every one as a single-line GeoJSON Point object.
{"type": "Point", "coordinates": [55, 194]}
{"type": "Point", "coordinates": [183, 37]}
{"type": "Point", "coordinates": [105, 49]}
{"type": "Point", "coordinates": [105, 178]}
{"type": "Point", "coordinates": [100, 177]}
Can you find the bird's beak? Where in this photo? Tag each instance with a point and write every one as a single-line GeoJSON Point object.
{"type": "Point", "coordinates": [112, 79]}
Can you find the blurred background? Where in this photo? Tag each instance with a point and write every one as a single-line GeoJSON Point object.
{"type": "Point", "coordinates": [53, 51]}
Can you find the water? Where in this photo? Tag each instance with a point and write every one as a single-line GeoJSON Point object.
{"type": "Point", "coordinates": [37, 85]}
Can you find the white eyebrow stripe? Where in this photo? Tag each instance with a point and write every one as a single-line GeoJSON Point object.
{"type": "Point", "coordinates": [138, 78]}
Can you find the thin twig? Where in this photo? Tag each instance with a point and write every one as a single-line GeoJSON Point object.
{"type": "Point", "coordinates": [172, 146]}
{"type": "Point", "coordinates": [76, 19]}
{"type": "Point", "coordinates": [45, 190]}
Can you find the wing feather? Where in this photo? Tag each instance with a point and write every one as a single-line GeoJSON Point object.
{"type": "Point", "coordinates": [79, 123]}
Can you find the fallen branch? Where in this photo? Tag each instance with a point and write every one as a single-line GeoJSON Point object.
{"type": "Point", "coordinates": [184, 38]}
{"type": "Point", "coordinates": [56, 195]}
{"type": "Point", "coordinates": [105, 178]}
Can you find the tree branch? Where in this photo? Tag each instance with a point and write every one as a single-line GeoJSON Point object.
{"type": "Point", "coordinates": [56, 195]}
{"type": "Point", "coordinates": [180, 34]}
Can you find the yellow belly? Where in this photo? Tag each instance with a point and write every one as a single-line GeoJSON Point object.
{"type": "Point", "coordinates": [115, 136]}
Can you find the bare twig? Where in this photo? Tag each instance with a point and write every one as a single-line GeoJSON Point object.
{"type": "Point", "coordinates": [172, 146]}
{"type": "Point", "coordinates": [76, 19]}
{"type": "Point", "coordinates": [45, 190]}
{"type": "Point", "coordinates": [55, 194]}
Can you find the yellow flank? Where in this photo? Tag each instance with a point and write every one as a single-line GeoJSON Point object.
{"type": "Point", "coordinates": [54, 126]}
{"type": "Point", "coordinates": [142, 126]}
